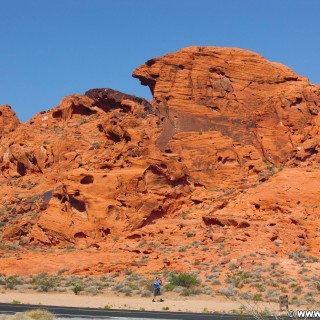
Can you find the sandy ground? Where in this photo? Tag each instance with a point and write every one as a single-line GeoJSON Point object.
{"type": "Point", "coordinates": [200, 303]}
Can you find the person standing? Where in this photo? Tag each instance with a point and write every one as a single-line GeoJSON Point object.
{"type": "Point", "coordinates": [157, 289]}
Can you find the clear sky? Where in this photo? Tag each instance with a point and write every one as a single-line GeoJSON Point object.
{"type": "Point", "coordinates": [53, 48]}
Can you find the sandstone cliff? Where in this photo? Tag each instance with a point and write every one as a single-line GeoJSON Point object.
{"type": "Point", "coordinates": [226, 153]}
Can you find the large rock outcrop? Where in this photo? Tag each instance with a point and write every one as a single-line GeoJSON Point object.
{"type": "Point", "coordinates": [225, 155]}
{"type": "Point", "coordinates": [237, 93]}
{"type": "Point", "coordinates": [88, 169]}
{"type": "Point", "coordinates": [8, 120]}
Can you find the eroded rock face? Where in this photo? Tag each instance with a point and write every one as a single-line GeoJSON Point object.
{"type": "Point", "coordinates": [235, 92]}
{"type": "Point", "coordinates": [8, 120]}
{"type": "Point", "coordinates": [226, 154]}
{"type": "Point", "coordinates": [89, 169]}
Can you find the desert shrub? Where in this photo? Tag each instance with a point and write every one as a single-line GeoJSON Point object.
{"type": "Point", "coordinates": [272, 295]}
{"type": "Point", "coordinates": [298, 301]}
{"type": "Point", "coordinates": [245, 295]}
{"type": "Point", "coordinates": [70, 281]}
{"type": "Point", "coordinates": [142, 282]}
{"type": "Point", "coordinates": [214, 269]}
{"type": "Point", "coordinates": [133, 286]}
{"type": "Point", "coordinates": [142, 244]}
{"type": "Point", "coordinates": [293, 284]}
{"type": "Point", "coordinates": [190, 234]}
{"type": "Point", "coordinates": [298, 289]}
{"type": "Point", "coordinates": [123, 287]}
{"type": "Point", "coordinates": [118, 287]}
{"type": "Point", "coordinates": [260, 287]}
{"type": "Point", "coordinates": [310, 297]}
{"type": "Point", "coordinates": [272, 283]}
{"type": "Point", "coordinates": [196, 244]}
{"type": "Point", "coordinates": [306, 278]}
{"type": "Point", "coordinates": [228, 291]}
{"type": "Point", "coordinates": [39, 314]}
{"type": "Point", "coordinates": [127, 291]}
{"type": "Point", "coordinates": [107, 279]}
{"type": "Point", "coordinates": [92, 290]}
{"type": "Point", "coordinates": [286, 280]}
{"type": "Point", "coordinates": [303, 270]}
{"type": "Point", "coordinates": [30, 315]}
{"type": "Point", "coordinates": [207, 290]}
{"type": "Point", "coordinates": [134, 277]}
{"type": "Point", "coordinates": [77, 288]}
{"type": "Point", "coordinates": [183, 279]}
{"type": "Point", "coordinates": [23, 287]}
{"type": "Point", "coordinates": [215, 275]}
{"type": "Point", "coordinates": [257, 297]}
{"type": "Point", "coordinates": [61, 271]}
{"type": "Point", "coordinates": [190, 291]}
{"type": "Point", "coordinates": [170, 287]}
{"type": "Point", "coordinates": [276, 273]}
{"type": "Point", "coordinates": [146, 293]}
{"type": "Point", "coordinates": [97, 282]}
{"type": "Point", "coordinates": [177, 289]}
{"type": "Point", "coordinates": [150, 287]}
{"type": "Point", "coordinates": [12, 281]}
{"type": "Point", "coordinates": [43, 282]}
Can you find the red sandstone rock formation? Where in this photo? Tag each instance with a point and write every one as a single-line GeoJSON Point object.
{"type": "Point", "coordinates": [237, 120]}
{"type": "Point", "coordinates": [235, 92]}
{"type": "Point", "coordinates": [8, 120]}
{"type": "Point", "coordinates": [227, 152]}
{"type": "Point", "coordinates": [95, 171]}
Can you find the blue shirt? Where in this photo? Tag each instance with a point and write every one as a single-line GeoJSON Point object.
{"type": "Point", "coordinates": [157, 284]}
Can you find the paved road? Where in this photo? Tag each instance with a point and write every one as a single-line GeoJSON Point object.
{"type": "Point", "coordinates": [92, 313]}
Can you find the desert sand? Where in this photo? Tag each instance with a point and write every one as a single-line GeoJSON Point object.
{"type": "Point", "coordinates": [200, 303]}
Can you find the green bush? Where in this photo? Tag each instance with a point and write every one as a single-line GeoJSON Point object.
{"type": "Point", "coordinates": [168, 287]}
{"type": "Point", "coordinates": [77, 288]}
{"type": "Point", "coordinates": [183, 279]}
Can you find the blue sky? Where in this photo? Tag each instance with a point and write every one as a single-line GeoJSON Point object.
{"type": "Point", "coordinates": [50, 49]}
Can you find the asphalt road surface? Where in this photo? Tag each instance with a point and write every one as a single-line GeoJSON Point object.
{"type": "Point", "coordinates": [93, 313]}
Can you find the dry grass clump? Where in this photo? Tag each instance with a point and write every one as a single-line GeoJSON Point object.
{"type": "Point", "coordinates": [37, 314]}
